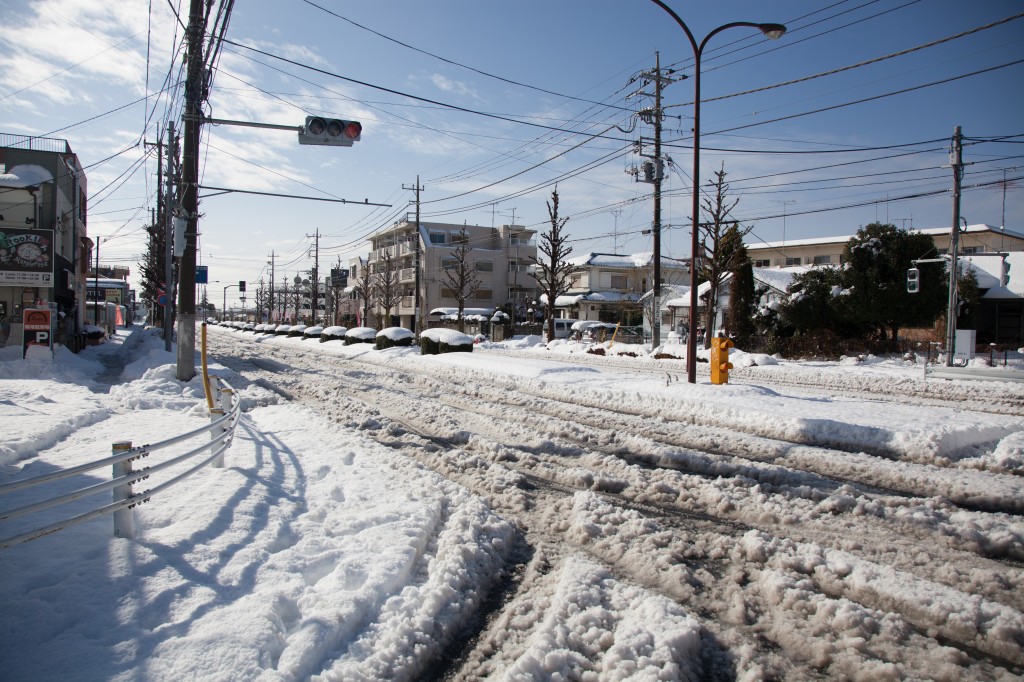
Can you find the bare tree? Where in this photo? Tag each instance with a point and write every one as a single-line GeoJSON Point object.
{"type": "Point", "coordinates": [297, 298]}
{"type": "Point", "coordinates": [552, 273]}
{"type": "Point", "coordinates": [336, 293]}
{"type": "Point", "coordinates": [262, 300]}
{"type": "Point", "coordinates": [460, 276]}
{"type": "Point", "coordinates": [385, 285]}
{"type": "Point", "coordinates": [721, 246]}
{"type": "Point", "coordinates": [364, 289]}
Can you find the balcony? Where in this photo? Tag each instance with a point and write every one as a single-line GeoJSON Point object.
{"type": "Point", "coordinates": [407, 275]}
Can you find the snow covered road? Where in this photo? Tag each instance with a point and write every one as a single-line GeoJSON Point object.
{"type": "Point", "coordinates": [877, 545]}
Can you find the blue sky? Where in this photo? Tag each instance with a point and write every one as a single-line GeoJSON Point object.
{"type": "Point", "coordinates": [542, 91]}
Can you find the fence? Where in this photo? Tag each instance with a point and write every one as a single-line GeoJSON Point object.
{"type": "Point", "coordinates": [221, 428]}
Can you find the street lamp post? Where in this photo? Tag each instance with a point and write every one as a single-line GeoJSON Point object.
{"type": "Point", "coordinates": [224, 302]}
{"type": "Point", "coordinates": [772, 31]}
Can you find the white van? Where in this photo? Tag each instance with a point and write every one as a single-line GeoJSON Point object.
{"type": "Point", "coordinates": [563, 328]}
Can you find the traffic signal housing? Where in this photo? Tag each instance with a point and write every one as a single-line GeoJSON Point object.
{"type": "Point", "coordinates": [1004, 275]}
{"type": "Point", "coordinates": [241, 286]}
{"type": "Point", "coordinates": [913, 281]}
{"type": "Point", "coordinates": [330, 131]}
{"type": "Point", "coordinates": [720, 364]}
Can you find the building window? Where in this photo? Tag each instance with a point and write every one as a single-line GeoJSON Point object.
{"type": "Point", "coordinates": [971, 249]}
{"type": "Point", "coordinates": [792, 261]}
{"type": "Point", "coordinates": [764, 263]}
{"type": "Point", "coordinates": [484, 266]}
{"type": "Point", "coordinates": [449, 264]}
{"type": "Point", "coordinates": [619, 282]}
{"type": "Point", "coordinates": [437, 237]}
{"type": "Point", "coordinates": [574, 281]}
{"type": "Point", "coordinates": [483, 295]}
{"type": "Point", "coordinates": [822, 260]}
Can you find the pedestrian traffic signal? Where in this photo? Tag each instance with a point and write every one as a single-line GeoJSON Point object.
{"type": "Point", "coordinates": [330, 131]}
{"type": "Point", "coordinates": [1004, 276]}
{"type": "Point", "coordinates": [720, 364]}
{"type": "Point", "coordinates": [913, 281]}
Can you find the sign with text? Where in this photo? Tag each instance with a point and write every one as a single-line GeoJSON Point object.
{"type": "Point", "coordinates": [26, 257]}
{"type": "Point", "coordinates": [38, 332]}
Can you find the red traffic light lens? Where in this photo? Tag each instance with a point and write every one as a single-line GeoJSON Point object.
{"type": "Point", "coordinates": [353, 129]}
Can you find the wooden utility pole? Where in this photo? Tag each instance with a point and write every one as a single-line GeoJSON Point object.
{"type": "Point", "coordinates": [168, 241]}
{"type": "Point", "coordinates": [314, 284]}
{"type": "Point", "coordinates": [195, 87]}
{"type": "Point", "coordinates": [956, 162]}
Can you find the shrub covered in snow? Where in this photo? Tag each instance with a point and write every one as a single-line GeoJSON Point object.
{"type": "Point", "coordinates": [360, 335]}
{"type": "Point", "coordinates": [394, 336]}
{"type": "Point", "coordinates": [439, 340]}
{"type": "Point", "coordinates": [333, 333]}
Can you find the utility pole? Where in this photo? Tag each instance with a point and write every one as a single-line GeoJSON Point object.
{"type": "Point", "coordinates": [270, 303]}
{"type": "Point", "coordinates": [157, 215]}
{"type": "Point", "coordinates": [956, 162]}
{"type": "Point", "coordinates": [653, 172]}
{"type": "Point", "coordinates": [314, 288]}
{"type": "Point", "coordinates": [417, 309]}
{"type": "Point", "coordinates": [169, 241]}
{"type": "Point", "coordinates": [195, 90]}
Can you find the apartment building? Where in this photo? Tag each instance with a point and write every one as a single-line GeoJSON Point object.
{"type": "Point", "coordinates": [502, 258]}
{"type": "Point", "coordinates": [973, 239]}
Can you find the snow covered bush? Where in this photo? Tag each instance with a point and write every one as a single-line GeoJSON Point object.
{"type": "Point", "coordinates": [439, 340]}
{"type": "Point", "coordinates": [360, 335]}
{"type": "Point", "coordinates": [333, 333]}
{"type": "Point", "coordinates": [394, 336]}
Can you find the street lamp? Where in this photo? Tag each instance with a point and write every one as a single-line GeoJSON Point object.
{"type": "Point", "coordinates": [772, 31]}
{"type": "Point", "coordinates": [224, 301]}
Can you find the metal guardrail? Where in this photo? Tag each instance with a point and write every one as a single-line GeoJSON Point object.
{"type": "Point", "coordinates": [223, 419]}
{"type": "Point", "coordinates": [972, 373]}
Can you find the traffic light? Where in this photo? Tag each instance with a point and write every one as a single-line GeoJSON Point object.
{"type": "Point", "coordinates": [913, 281]}
{"type": "Point", "coordinates": [1004, 275]}
{"type": "Point", "coordinates": [720, 364]}
{"type": "Point", "coordinates": [241, 287]}
{"type": "Point", "coordinates": [330, 131]}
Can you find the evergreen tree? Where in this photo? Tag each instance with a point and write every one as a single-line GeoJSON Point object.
{"type": "Point", "coordinates": [742, 302]}
{"type": "Point", "coordinates": [877, 260]}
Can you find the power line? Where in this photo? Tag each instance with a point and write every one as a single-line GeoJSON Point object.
{"type": "Point", "coordinates": [454, 107]}
{"type": "Point", "coordinates": [449, 61]}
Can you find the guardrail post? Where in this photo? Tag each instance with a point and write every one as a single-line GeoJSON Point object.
{"type": "Point", "coordinates": [224, 396]}
{"type": "Point", "coordinates": [122, 517]}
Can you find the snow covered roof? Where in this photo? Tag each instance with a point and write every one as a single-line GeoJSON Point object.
{"type": "Point", "coordinates": [842, 239]}
{"type": "Point", "coordinates": [465, 311]}
{"type": "Point", "coordinates": [566, 300]}
{"type": "Point", "coordinates": [778, 279]}
{"type": "Point", "coordinates": [613, 260]}
{"type": "Point", "coordinates": [989, 269]}
{"type": "Point", "coordinates": [24, 176]}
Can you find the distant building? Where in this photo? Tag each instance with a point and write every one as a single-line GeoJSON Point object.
{"type": "Point", "coordinates": [610, 287]}
{"type": "Point", "coordinates": [829, 250]}
{"type": "Point", "coordinates": [45, 249]}
{"type": "Point", "coordinates": [501, 257]}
